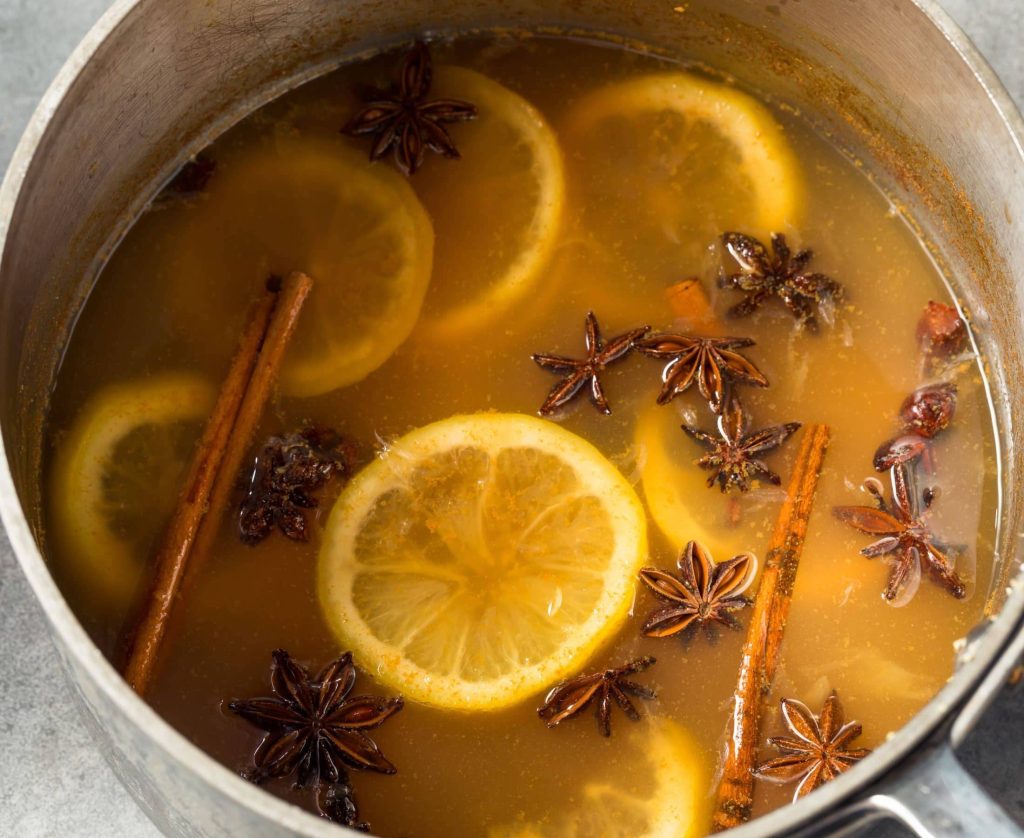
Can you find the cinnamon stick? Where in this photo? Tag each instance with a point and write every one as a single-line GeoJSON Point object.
{"type": "Point", "coordinates": [293, 295]}
{"type": "Point", "coordinates": [216, 460]}
{"type": "Point", "coordinates": [764, 636]}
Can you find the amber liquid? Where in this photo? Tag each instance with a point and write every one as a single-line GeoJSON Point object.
{"type": "Point", "coordinates": [460, 773]}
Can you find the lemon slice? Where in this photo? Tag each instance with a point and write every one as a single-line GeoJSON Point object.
{"type": "Point", "coordinates": [665, 801]}
{"type": "Point", "coordinates": [316, 206]}
{"type": "Point", "coordinates": [496, 211]}
{"type": "Point", "coordinates": [117, 475]}
{"type": "Point", "coordinates": [480, 559]}
{"type": "Point", "coordinates": [669, 161]}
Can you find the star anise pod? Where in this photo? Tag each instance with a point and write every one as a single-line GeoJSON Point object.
{"type": "Point", "coordinates": [607, 687]}
{"type": "Point", "coordinates": [780, 274]}
{"type": "Point", "coordinates": [732, 455]}
{"type": "Point", "coordinates": [712, 362]}
{"type": "Point", "coordinates": [284, 473]}
{"type": "Point", "coordinates": [923, 415]}
{"type": "Point", "coordinates": [585, 372]}
{"type": "Point", "coordinates": [904, 535]}
{"type": "Point", "coordinates": [315, 731]}
{"type": "Point", "coordinates": [819, 749]}
{"type": "Point", "coordinates": [703, 593]}
{"type": "Point", "coordinates": [405, 121]}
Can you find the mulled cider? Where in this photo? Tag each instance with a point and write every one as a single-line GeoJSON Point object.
{"type": "Point", "coordinates": [453, 442]}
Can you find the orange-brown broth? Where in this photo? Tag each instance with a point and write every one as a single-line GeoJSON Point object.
{"type": "Point", "coordinates": [460, 772]}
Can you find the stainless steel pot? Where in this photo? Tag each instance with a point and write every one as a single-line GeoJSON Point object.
{"type": "Point", "coordinates": [156, 79]}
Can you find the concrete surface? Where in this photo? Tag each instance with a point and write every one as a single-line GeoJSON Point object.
{"type": "Point", "coordinates": [52, 782]}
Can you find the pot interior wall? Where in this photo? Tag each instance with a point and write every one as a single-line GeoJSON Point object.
{"type": "Point", "coordinates": [174, 75]}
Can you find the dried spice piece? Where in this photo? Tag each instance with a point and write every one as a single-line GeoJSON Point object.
{"type": "Point", "coordinates": [780, 274]}
{"type": "Point", "coordinates": [941, 332]}
{"type": "Point", "coordinates": [713, 363]}
{"type": "Point", "coordinates": [193, 177]}
{"type": "Point", "coordinates": [315, 731]}
{"type": "Point", "coordinates": [928, 410]}
{"type": "Point", "coordinates": [703, 593]}
{"type": "Point", "coordinates": [337, 802]}
{"type": "Point", "coordinates": [732, 456]}
{"type": "Point", "coordinates": [585, 372]}
{"type": "Point", "coordinates": [612, 685]}
{"type": "Point", "coordinates": [285, 472]}
{"type": "Point", "coordinates": [923, 415]}
{"type": "Point", "coordinates": [689, 302]}
{"type": "Point", "coordinates": [903, 449]}
{"type": "Point", "coordinates": [904, 535]}
{"type": "Point", "coordinates": [819, 749]}
{"type": "Point", "coordinates": [405, 121]}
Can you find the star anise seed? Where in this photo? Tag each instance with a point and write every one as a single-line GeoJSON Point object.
{"type": "Point", "coordinates": [315, 730]}
{"type": "Point", "coordinates": [928, 410]}
{"type": "Point", "coordinates": [703, 593]}
{"type": "Point", "coordinates": [818, 750]}
{"type": "Point", "coordinates": [904, 535]}
{"type": "Point", "coordinates": [732, 455]}
{"type": "Point", "coordinates": [585, 372]}
{"type": "Point", "coordinates": [284, 473]}
{"type": "Point", "coordinates": [713, 363]}
{"type": "Point", "coordinates": [610, 686]}
{"type": "Point", "coordinates": [405, 121]}
{"type": "Point", "coordinates": [780, 274]}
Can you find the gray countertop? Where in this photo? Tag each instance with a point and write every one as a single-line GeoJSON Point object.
{"type": "Point", "coordinates": [52, 781]}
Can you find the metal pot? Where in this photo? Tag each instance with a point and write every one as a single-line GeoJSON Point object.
{"type": "Point", "coordinates": [155, 80]}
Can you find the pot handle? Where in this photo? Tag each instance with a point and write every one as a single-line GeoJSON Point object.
{"type": "Point", "coordinates": [936, 798]}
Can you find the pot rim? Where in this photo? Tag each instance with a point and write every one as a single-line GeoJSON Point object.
{"type": "Point", "coordinates": [993, 653]}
